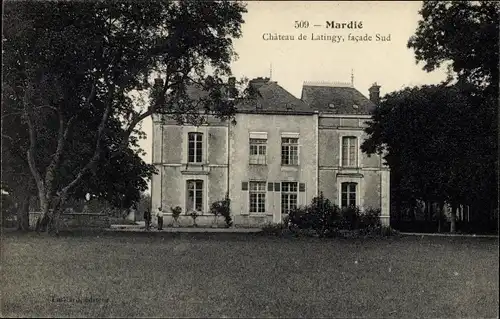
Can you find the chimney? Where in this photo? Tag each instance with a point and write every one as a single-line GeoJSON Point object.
{"type": "Point", "coordinates": [375, 93]}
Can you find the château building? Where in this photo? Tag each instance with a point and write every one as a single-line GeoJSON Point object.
{"type": "Point", "coordinates": [282, 152]}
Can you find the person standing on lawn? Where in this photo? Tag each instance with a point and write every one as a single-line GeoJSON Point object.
{"type": "Point", "coordinates": [159, 215]}
{"type": "Point", "coordinates": [147, 218]}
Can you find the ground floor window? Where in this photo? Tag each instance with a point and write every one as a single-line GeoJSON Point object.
{"type": "Point", "coordinates": [348, 194]}
{"type": "Point", "coordinates": [288, 197]}
{"type": "Point", "coordinates": [257, 197]}
{"type": "Point", "coordinates": [194, 195]}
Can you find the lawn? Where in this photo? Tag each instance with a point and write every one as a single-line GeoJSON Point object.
{"type": "Point", "coordinates": [245, 275]}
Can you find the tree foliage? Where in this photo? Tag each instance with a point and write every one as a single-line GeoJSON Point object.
{"type": "Point", "coordinates": [464, 33]}
{"type": "Point", "coordinates": [70, 69]}
{"type": "Point", "coordinates": [440, 146]}
{"type": "Point", "coordinates": [441, 141]}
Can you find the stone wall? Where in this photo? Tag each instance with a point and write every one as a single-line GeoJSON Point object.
{"type": "Point", "coordinates": [75, 220]}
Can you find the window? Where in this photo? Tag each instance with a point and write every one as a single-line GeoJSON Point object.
{"type": "Point", "coordinates": [349, 151]}
{"type": "Point", "coordinates": [258, 151]}
{"type": "Point", "coordinates": [194, 195]}
{"type": "Point", "coordinates": [289, 151]}
{"type": "Point", "coordinates": [257, 197]}
{"type": "Point", "coordinates": [348, 194]}
{"type": "Point", "coordinates": [195, 147]}
{"type": "Point", "coordinates": [288, 197]}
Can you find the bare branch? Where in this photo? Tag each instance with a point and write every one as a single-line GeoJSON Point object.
{"type": "Point", "coordinates": [12, 114]}
{"type": "Point", "coordinates": [194, 81]}
{"type": "Point", "coordinates": [53, 108]}
{"type": "Point", "coordinates": [100, 132]}
{"type": "Point", "coordinates": [61, 141]}
{"type": "Point", "coordinates": [156, 104]}
{"type": "Point", "coordinates": [7, 137]}
{"type": "Point", "coordinates": [31, 150]}
{"type": "Point", "coordinates": [92, 93]}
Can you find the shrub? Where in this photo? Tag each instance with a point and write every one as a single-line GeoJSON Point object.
{"type": "Point", "coordinates": [351, 217]}
{"type": "Point", "coordinates": [299, 218]}
{"type": "Point", "coordinates": [176, 212]}
{"type": "Point", "coordinates": [194, 215]}
{"type": "Point", "coordinates": [286, 220]}
{"type": "Point", "coordinates": [386, 231]}
{"type": "Point", "coordinates": [379, 231]}
{"type": "Point", "coordinates": [274, 229]}
{"type": "Point", "coordinates": [370, 218]}
{"type": "Point", "coordinates": [321, 216]}
{"type": "Point", "coordinates": [327, 219]}
{"type": "Point", "coordinates": [325, 215]}
{"type": "Point", "coordinates": [223, 208]}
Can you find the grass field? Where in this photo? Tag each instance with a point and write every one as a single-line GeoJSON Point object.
{"type": "Point", "coordinates": [244, 275]}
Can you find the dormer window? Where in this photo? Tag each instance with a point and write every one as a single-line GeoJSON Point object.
{"type": "Point", "coordinates": [331, 105]}
{"type": "Point", "coordinates": [355, 106]}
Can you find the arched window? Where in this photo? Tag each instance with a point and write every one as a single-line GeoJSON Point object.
{"type": "Point", "coordinates": [194, 199]}
{"type": "Point", "coordinates": [195, 147]}
{"type": "Point", "coordinates": [348, 194]}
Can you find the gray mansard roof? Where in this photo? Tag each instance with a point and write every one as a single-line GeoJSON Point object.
{"type": "Point", "coordinates": [272, 98]}
{"type": "Point", "coordinates": [336, 99]}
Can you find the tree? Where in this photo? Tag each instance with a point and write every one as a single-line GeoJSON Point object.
{"type": "Point", "coordinates": [143, 204]}
{"type": "Point", "coordinates": [118, 180]}
{"type": "Point", "coordinates": [16, 177]}
{"type": "Point", "coordinates": [69, 63]}
{"type": "Point", "coordinates": [464, 33]}
{"type": "Point", "coordinates": [434, 146]}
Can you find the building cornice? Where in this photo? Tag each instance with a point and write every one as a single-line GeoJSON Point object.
{"type": "Point", "coordinates": [156, 118]}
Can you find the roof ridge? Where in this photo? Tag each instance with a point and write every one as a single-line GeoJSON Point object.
{"type": "Point", "coordinates": [328, 84]}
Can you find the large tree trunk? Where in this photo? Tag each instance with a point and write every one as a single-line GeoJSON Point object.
{"type": "Point", "coordinates": [58, 210]}
{"type": "Point", "coordinates": [23, 217]}
{"type": "Point", "coordinates": [427, 215]}
{"type": "Point", "coordinates": [440, 216]}
{"type": "Point", "coordinates": [453, 218]}
{"type": "Point", "coordinates": [398, 209]}
{"type": "Point", "coordinates": [45, 218]}
{"type": "Point", "coordinates": [46, 186]}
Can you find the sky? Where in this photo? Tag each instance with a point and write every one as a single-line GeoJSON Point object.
{"type": "Point", "coordinates": [291, 62]}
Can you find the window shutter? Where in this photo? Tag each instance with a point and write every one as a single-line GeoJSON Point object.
{"type": "Point", "coordinates": [270, 187]}
{"type": "Point", "coordinates": [302, 187]}
{"type": "Point", "coordinates": [244, 199]}
{"type": "Point", "coordinates": [302, 194]}
{"type": "Point", "coordinates": [276, 187]}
